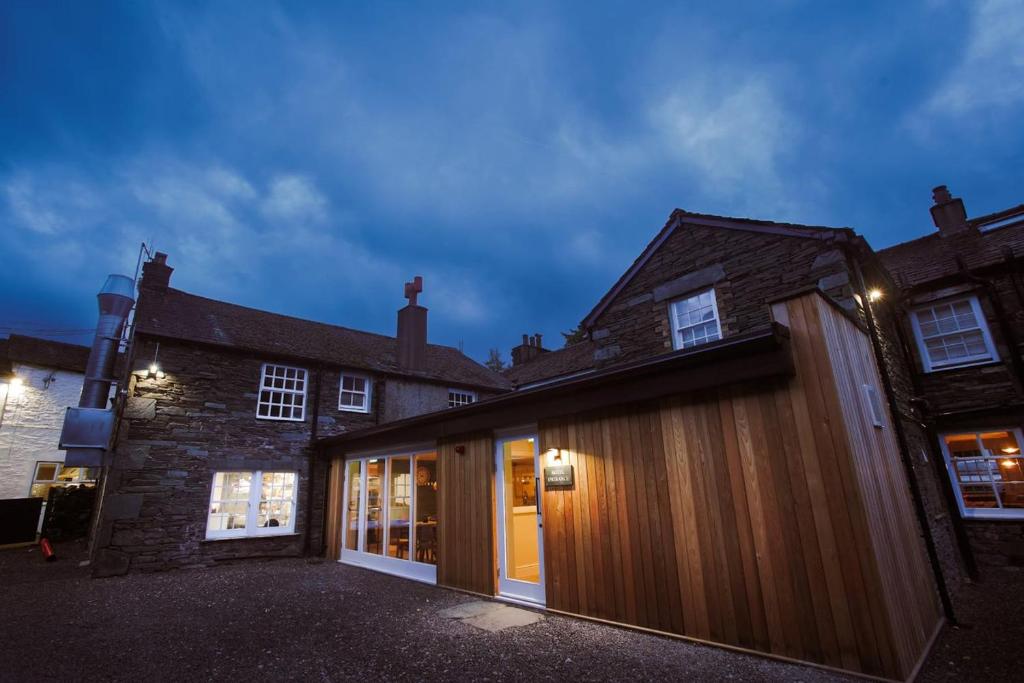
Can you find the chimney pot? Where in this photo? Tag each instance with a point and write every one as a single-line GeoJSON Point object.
{"type": "Point", "coordinates": [412, 329]}
{"type": "Point", "coordinates": [948, 213]}
{"type": "Point", "coordinates": [156, 274]}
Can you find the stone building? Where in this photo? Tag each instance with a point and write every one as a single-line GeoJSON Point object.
{"type": "Point", "coordinates": [39, 379]}
{"type": "Point", "coordinates": [213, 459]}
{"type": "Point", "coordinates": [959, 298]}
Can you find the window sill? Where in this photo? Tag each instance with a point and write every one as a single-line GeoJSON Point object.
{"type": "Point", "coordinates": [353, 410]}
{"type": "Point", "coordinates": [966, 366]}
{"type": "Point", "coordinates": [1016, 518]}
{"type": "Point", "coordinates": [250, 538]}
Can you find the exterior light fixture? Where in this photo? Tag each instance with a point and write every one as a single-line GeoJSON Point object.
{"type": "Point", "coordinates": [1010, 450]}
{"type": "Point", "coordinates": [15, 387]}
{"type": "Point", "coordinates": [554, 456]}
{"type": "Point", "coordinates": [154, 368]}
{"type": "Point", "coordinates": [874, 294]}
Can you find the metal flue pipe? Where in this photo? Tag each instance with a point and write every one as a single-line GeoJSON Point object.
{"type": "Point", "coordinates": [115, 301]}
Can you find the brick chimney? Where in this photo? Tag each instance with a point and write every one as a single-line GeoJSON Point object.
{"type": "Point", "coordinates": [412, 329]}
{"type": "Point", "coordinates": [948, 213]}
{"type": "Point", "coordinates": [156, 274]}
{"type": "Point", "coordinates": [528, 350]}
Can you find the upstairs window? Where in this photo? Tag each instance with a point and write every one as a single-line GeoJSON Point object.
{"type": "Point", "coordinates": [987, 471]}
{"type": "Point", "coordinates": [952, 334]}
{"type": "Point", "coordinates": [355, 394]}
{"type": "Point", "coordinates": [460, 397]}
{"type": "Point", "coordinates": [695, 320]}
{"type": "Point", "coordinates": [282, 393]}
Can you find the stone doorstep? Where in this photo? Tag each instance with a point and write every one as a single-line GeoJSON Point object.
{"type": "Point", "coordinates": [490, 616]}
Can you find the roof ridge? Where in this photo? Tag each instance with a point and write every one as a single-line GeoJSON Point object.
{"type": "Point", "coordinates": [298, 319]}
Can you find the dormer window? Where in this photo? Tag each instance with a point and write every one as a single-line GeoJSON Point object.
{"type": "Point", "coordinates": [460, 397]}
{"type": "Point", "coordinates": [354, 396]}
{"type": "Point", "coordinates": [282, 393]}
{"type": "Point", "coordinates": [695, 320]}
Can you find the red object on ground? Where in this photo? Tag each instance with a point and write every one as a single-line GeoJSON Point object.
{"type": "Point", "coordinates": [48, 554]}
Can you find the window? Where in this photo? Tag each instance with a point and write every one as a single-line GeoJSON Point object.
{"type": "Point", "coordinates": [695, 320]}
{"type": "Point", "coordinates": [952, 334]}
{"type": "Point", "coordinates": [986, 471]}
{"type": "Point", "coordinates": [390, 518]}
{"type": "Point", "coordinates": [251, 504]}
{"type": "Point", "coordinates": [50, 475]}
{"type": "Point", "coordinates": [355, 394]}
{"type": "Point", "coordinates": [282, 393]}
{"type": "Point", "coordinates": [460, 397]}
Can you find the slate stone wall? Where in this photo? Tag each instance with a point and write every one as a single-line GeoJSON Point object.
{"type": "Point", "coordinates": [177, 431]}
{"type": "Point", "coordinates": [746, 269]}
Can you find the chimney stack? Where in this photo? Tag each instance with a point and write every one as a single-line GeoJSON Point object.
{"type": "Point", "coordinates": [948, 213]}
{"type": "Point", "coordinates": [528, 350]}
{"type": "Point", "coordinates": [412, 329]}
{"type": "Point", "coordinates": [156, 274]}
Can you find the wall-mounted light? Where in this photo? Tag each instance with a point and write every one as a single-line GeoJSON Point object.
{"type": "Point", "coordinates": [15, 387]}
{"type": "Point", "coordinates": [874, 294]}
{"type": "Point", "coordinates": [554, 456]}
{"type": "Point", "coordinates": [154, 368]}
{"type": "Point", "coordinates": [1010, 450]}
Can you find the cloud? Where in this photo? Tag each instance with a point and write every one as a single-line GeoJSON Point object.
{"type": "Point", "coordinates": [990, 75]}
{"type": "Point", "coordinates": [292, 198]}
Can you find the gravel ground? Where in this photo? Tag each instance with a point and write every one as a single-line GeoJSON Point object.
{"type": "Point", "coordinates": [316, 620]}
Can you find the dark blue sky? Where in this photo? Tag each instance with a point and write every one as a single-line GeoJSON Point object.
{"type": "Point", "coordinates": [309, 159]}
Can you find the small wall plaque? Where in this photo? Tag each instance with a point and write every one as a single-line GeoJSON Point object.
{"type": "Point", "coordinates": [558, 476]}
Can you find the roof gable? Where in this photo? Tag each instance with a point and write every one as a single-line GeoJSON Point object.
{"type": "Point", "coordinates": [680, 217]}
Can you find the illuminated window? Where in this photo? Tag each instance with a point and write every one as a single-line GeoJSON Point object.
{"type": "Point", "coordinates": [50, 475]}
{"type": "Point", "coordinates": [282, 393]}
{"type": "Point", "coordinates": [952, 334]}
{"type": "Point", "coordinates": [695, 320]}
{"type": "Point", "coordinates": [460, 397]}
{"type": "Point", "coordinates": [251, 504]}
{"type": "Point", "coordinates": [355, 394]}
{"type": "Point", "coordinates": [986, 471]}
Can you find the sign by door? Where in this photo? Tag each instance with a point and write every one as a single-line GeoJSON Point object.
{"type": "Point", "coordinates": [558, 475]}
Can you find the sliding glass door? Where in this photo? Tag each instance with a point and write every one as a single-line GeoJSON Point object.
{"type": "Point", "coordinates": [390, 514]}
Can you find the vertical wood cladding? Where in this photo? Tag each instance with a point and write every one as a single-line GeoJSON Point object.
{"type": "Point", "coordinates": [765, 515]}
{"type": "Point", "coordinates": [465, 533]}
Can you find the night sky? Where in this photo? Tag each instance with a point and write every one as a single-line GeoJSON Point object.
{"type": "Point", "coordinates": [310, 159]}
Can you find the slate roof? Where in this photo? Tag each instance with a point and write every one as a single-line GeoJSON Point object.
{"type": "Point", "coordinates": [568, 361]}
{"type": "Point", "coordinates": [933, 256]}
{"type": "Point", "coordinates": [42, 352]}
{"type": "Point", "coordinates": [174, 314]}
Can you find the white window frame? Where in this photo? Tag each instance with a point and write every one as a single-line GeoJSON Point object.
{"type": "Point", "coordinates": [300, 373]}
{"type": "Point", "coordinates": [979, 316]}
{"type": "Point", "coordinates": [674, 318]}
{"type": "Point", "coordinates": [367, 394]}
{"type": "Point", "coordinates": [253, 509]}
{"type": "Point", "coordinates": [80, 480]}
{"type": "Point", "coordinates": [454, 402]}
{"type": "Point", "coordinates": [981, 513]}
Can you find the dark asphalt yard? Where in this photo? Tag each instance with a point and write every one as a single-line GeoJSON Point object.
{"type": "Point", "coordinates": [299, 620]}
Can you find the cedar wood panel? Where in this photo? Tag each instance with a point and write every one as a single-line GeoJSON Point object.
{"type": "Point", "coordinates": [335, 496]}
{"type": "Point", "coordinates": [749, 515]}
{"type": "Point", "coordinates": [465, 530]}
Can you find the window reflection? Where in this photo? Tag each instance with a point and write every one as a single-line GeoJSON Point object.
{"type": "Point", "coordinates": [352, 511]}
{"type": "Point", "coordinates": [426, 508]}
{"type": "Point", "coordinates": [399, 503]}
{"type": "Point", "coordinates": [374, 517]}
{"type": "Point", "coordinates": [988, 467]}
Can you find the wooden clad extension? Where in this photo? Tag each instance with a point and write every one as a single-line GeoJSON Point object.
{"type": "Point", "coordinates": [465, 535]}
{"type": "Point", "coordinates": [768, 515]}
{"type": "Point", "coordinates": [335, 515]}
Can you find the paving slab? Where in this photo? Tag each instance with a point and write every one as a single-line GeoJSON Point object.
{"type": "Point", "coordinates": [503, 617]}
{"type": "Point", "coordinates": [468, 609]}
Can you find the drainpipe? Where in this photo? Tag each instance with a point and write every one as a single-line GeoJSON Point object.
{"type": "Point", "coordinates": [901, 440]}
{"type": "Point", "coordinates": [311, 464]}
{"type": "Point", "coordinates": [928, 425]}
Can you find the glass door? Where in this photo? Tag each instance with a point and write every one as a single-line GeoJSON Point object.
{"type": "Point", "coordinates": [519, 517]}
{"type": "Point", "coordinates": [390, 514]}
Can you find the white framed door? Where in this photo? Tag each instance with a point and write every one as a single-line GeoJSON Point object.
{"type": "Point", "coordinates": [519, 518]}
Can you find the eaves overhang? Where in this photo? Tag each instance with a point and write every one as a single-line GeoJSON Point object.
{"type": "Point", "coordinates": [753, 356]}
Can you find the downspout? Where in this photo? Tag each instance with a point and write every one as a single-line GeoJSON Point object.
{"type": "Point", "coordinates": [928, 424]}
{"type": "Point", "coordinates": [307, 543]}
{"type": "Point", "coordinates": [901, 440]}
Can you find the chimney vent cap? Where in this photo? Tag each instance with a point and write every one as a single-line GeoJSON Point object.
{"type": "Point", "coordinates": [119, 285]}
{"type": "Point", "coordinates": [941, 195]}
